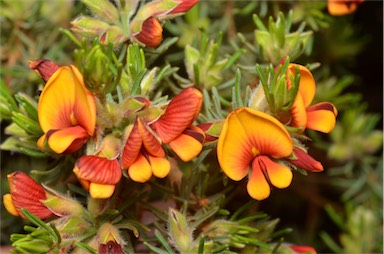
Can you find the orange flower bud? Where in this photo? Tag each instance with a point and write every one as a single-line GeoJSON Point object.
{"type": "Point", "coordinates": [151, 33]}
{"type": "Point", "coordinates": [25, 193]}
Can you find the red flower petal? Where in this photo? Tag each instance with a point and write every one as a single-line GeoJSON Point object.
{"type": "Point", "coordinates": [180, 114]}
{"type": "Point", "coordinates": [132, 146]}
{"type": "Point", "coordinates": [98, 170]}
{"type": "Point", "coordinates": [26, 193]}
{"type": "Point", "coordinates": [150, 143]}
{"type": "Point", "coordinates": [151, 33]}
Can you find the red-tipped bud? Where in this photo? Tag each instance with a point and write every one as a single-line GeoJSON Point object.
{"type": "Point", "coordinates": [184, 6]}
{"type": "Point", "coordinates": [305, 161]}
{"type": "Point", "coordinates": [151, 33]}
{"type": "Point", "coordinates": [25, 193]}
{"type": "Point", "coordinates": [45, 68]}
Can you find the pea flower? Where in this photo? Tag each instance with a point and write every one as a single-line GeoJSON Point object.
{"type": "Point", "coordinates": [250, 144]}
{"type": "Point", "coordinates": [66, 111]}
{"type": "Point", "coordinates": [143, 154]}
{"type": "Point", "coordinates": [321, 116]}
{"type": "Point", "coordinates": [99, 173]}
{"type": "Point", "coordinates": [25, 193]}
{"type": "Point", "coordinates": [343, 7]}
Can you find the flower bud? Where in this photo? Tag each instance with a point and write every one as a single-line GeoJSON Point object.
{"type": "Point", "coordinates": [89, 27]}
{"type": "Point", "coordinates": [151, 33]}
{"type": "Point", "coordinates": [109, 239]}
{"type": "Point", "coordinates": [25, 193]}
{"type": "Point", "coordinates": [180, 232]}
{"type": "Point", "coordinates": [62, 206]}
{"type": "Point", "coordinates": [183, 6]}
{"type": "Point", "coordinates": [45, 68]}
{"type": "Point", "coordinates": [103, 9]}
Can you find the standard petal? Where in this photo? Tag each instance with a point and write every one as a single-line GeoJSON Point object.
{"type": "Point", "coordinates": [321, 117]}
{"type": "Point", "coordinates": [179, 114]}
{"type": "Point", "coordinates": [257, 186]}
{"type": "Point", "coordinates": [132, 146]}
{"type": "Point", "coordinates": [98, 170]}
{"type": "Point", "coordinates": [279, 175]}
{"type": "Point", "coordinates": [67, 140]}
{"type": "Point", "coordinates": [101, 191]}
{"type": "Point", "coordinates": [298, 113]}
{"type": "Point", "coordinates": [247, 133]}
{"type": "Point", "coordinates": [186, 147]}
{"type": "Point", "coordinates": [150, 143]}
{"type": "Point", "coordinates": [56, 101]}
{"type": "Point", "coordinates": [307, 85]}
{"type": "Point", "coordinates": [140, 171]}
{"type": "Point", "coordinates": [84, 108]}
{"type": "Point", "coordinates": [160, 166]}
{"type": "Point", "coordinates": [26, 193]}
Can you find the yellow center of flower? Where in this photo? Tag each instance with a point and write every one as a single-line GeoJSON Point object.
{"type": "Point", "coordinates": [73, 119]}
{"type": "Point", "coordinates": [255, 151]}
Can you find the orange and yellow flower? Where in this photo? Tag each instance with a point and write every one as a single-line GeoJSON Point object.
{"type": "Point", "coordinates": [143, 153]}
{"type": "Point", "coordinates": [66, 111]}
{"type": "Point", "coordinates": [251, 143]}
{"type": "Point", "coordinates": [321, 116]}
{"type": "Point", "coordinates": [25, 193]}
{"type": "Point", "coordinates": [343, 7]}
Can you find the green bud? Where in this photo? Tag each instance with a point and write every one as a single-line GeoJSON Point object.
{"type": "Point", "coordinates": [28, 104]}
{"type": "Point", "coordinates": [30, 126]}
{"type": "Point", "coordinates": [73, 226]}
{"type": "Point", "coordinates": [104, 10]}
{"type": "Point", "coordinates": [114, 35]}
{"type": "Point", "coordinates": [89, 27]}
{"type": "Point", "coordinates": [147, 82]}
{"type": "Point", "coordinates": [180, 232]}
{"type": "Point", "coordinates": [192, 56]}
{"type": "Point", "coordinates": [63, 206]}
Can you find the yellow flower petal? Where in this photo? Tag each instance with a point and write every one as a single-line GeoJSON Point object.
{"type": "Point", "coordinates": [247, 133]}
{"type": "Point", "coordinates": [101, 190]}
{"type": "Point", "coordinates": [160, 166]}
{"type": "Point", "coordinates": [307, 85]}
{"type": "Point", "coordinates": [8, 203]}
{"type": "Point", "coordinates": [67, 140]}
{"type": "Point", "coordinates": [298, 113]}
{"type": "Point", "coordinates": [279, 175]}
{"type": "Point", "coordinates": [342, 7]}
{"type": "Point", "coordinates": [257, 186]}
{"type": "Point", "coordinates": [65, 102]}
{"type": "Point", "coordinates": [321, 117]}
{"type": "Point", "coordinates": [140, 171]}
{"type": "Point", "coordinates": [84, 106]}
{"type": "Point", "coordinates": [57, 100]}
{"type": "Point", "coordinates": [186, 147]}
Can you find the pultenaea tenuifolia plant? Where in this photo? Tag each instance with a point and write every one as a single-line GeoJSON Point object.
{"type": "Point", "coordinates": [148, 146]}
